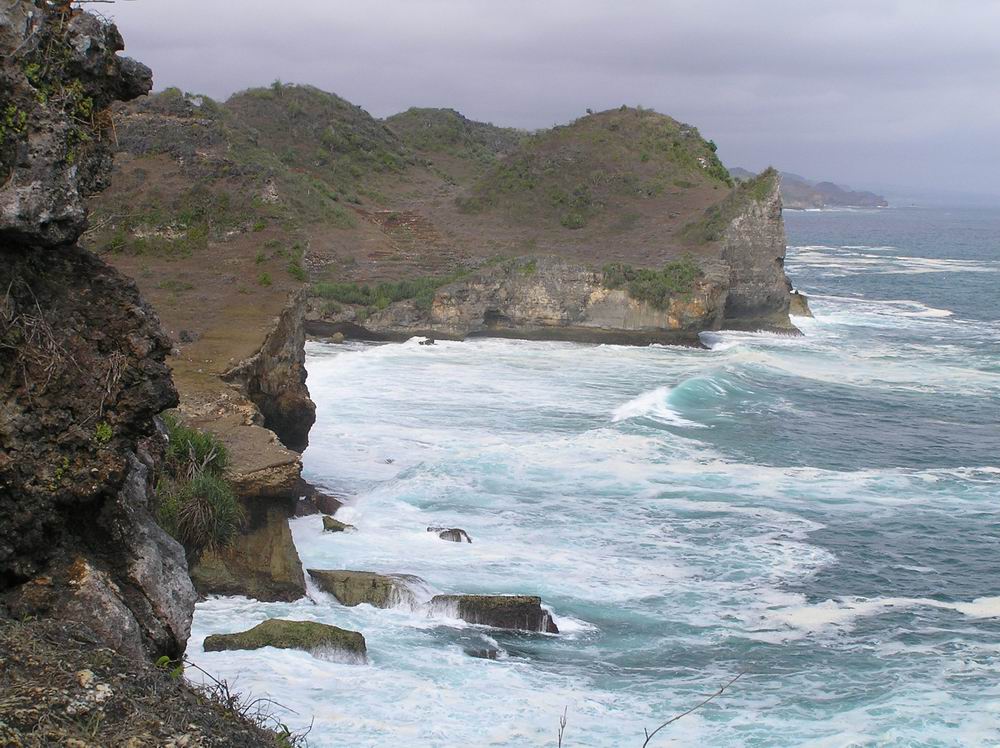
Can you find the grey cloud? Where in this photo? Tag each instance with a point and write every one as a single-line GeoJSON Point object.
{"type": "Point", "coordinates": [892, 91]}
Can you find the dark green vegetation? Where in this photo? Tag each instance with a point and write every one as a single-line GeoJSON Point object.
{"type": "Point", "coordinates": [381, 295]}
{"type": "Point", "coordinates": [447, 131]}
{"type": "Point", "coordinates": [656, 287]}
{"type": "Point", "coordinates": [575, 172]}
{"type": "Point", "coordinates": [711, 226]}
{"type": "Point", "coordinates": [196, 503]}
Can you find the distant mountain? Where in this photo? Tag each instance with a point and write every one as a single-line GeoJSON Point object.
{"type": "Point", "coordinates": [799, 193]}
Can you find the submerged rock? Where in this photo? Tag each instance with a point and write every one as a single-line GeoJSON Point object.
{"type": "Point", "coordinates": [308, 636]}
{"type": "Point", "coordinates": [486, 653]}
{"type": "Point", "coordinates": [520, 612]}
{"type": "Point", "coordinates": [454, 534]}
{"type": "Point", "coordinates": [355, 587]}
{"type": "Point", "coordinates": [335, 525]}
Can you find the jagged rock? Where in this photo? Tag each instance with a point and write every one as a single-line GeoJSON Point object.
{"type": "Point", "coordinates": [262, 563]}
{"type": "Point", "coordinates": [798, 305]}
{"type": "Point", "coordinates": [454, 534]}
{"type": "Point", "coordinates": [521, 612]}
{"type": "Point", "coordinates": [275, 377]}
{"type": "Point", "coordinates": [335, 525]}
{"type": "Point", "coordinates": [316, 502]}
{"type": "Point", "coordinates": [49, 160]}
{"type": "Point", "coordinates": [305, 635]}
{"type": "Point", "coordinates": [753, 246]}
{"type": "Point", "coordinates": [355, 587]}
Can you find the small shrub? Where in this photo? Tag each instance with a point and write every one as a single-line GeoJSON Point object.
{"type": "Point", "coordinates": [202, 513]}
{"type": "Point", "coordinates": [296, 270]}
{"type": "Point", "coordinates": [259, 225]}
{"type": "Point", "coordinates": [264, 279]}
{"type": "Point", "coordinates": [573, 220]}
{"type": "Point", "coordinates": [103, 433]}
{"type": "Point", "coordinates": [260, 258]}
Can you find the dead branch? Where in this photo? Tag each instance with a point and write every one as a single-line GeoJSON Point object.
{"type": "Point", "coordinates": [649, 735]}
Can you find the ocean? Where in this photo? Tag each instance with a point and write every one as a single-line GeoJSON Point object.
{"type": "Point", "coordinates": [819, 515]}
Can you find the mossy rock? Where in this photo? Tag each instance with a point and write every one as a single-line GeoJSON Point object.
{"type": "Point", "coordinates": [335, 525]}
{"type": "Point", "coordinates": [308, 636]}
{"type": "Point", "coordinates": [355, 587]}
{"type": "Point", "coordinates": [520, 612]}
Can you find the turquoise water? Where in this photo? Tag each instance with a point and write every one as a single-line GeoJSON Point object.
{"type": "Point", "coordinates": [818, 513]}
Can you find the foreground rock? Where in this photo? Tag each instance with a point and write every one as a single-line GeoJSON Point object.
{"type": "Point", "coordinates": [355, 587]}
{"type": "Point", "coordinates": [520, 612]}
{"type": "Point", "coordinates": [335, 525]}
{"type": "Point", "coordinates": [82, 357]}
{"type": "Point", "coordinates": [454, 534]}
{"type": "Point", "coordinates": [309, 636]}
{"type": "Point", "coordinates": [61, 685]}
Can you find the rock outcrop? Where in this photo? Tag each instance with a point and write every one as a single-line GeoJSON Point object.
{"type": "Point", "coordinates": [520, 612]}
{"type": "Point", "coordinates": [452, 534]}
{"type": "Point", "coordinates": [753, 245]}
{"type": "Point", "coordinates": [356, 587]}
{"type": "Point", "coordinates": [798, 305]}
{"type": "Point", "coordinates": [335, 525]}
{"type": "Point", "coordinates": [309, 636]}
{"type": "Point", "coordinates": [548, 298]}
{"type": "Point", "coordinates": [82, 372]}
{"type": "Point", "coordinates": [262, 563]}
{"type": "Point", "coordinates": [275, 377]}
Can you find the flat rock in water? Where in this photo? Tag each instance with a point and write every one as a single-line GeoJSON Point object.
{"type": "Point", "coordinates": [355, 587]}
{"type": "Point", "coordinates": [335, 525]}
{"type": "Point", "coordinates": [308, 636]}
{"type": "Point", "coordinates": [519, 612]}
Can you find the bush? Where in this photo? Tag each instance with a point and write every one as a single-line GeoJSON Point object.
{"type": "Point", "coordinates": [380, 296]}
{"type": "Point", "coordinates": [190, 451]}
{"type": "Point", "coordinates": [264, 279]}
{"type": "Point", "coordinates": [197, 506]}
{"type": "Point", "coordinates": [202, 513]}
{"type": "Point", "coordinates": [655, 287]}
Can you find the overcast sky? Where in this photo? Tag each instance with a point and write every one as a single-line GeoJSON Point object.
{"type": "Point", "coordinates": [864, 92]}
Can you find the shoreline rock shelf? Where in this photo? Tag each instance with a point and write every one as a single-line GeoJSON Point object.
{"type": "Point", "coordinates": [356, 587]}
{"type": "Point", "coordinates": [518, 612]}
{"type": "Point", "coordinates": [309, 636]}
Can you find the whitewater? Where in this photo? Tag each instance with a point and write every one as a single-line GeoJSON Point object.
{"type": "Point", "coordinates": [818, 513]}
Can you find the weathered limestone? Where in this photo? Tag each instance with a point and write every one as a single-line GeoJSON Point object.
{"type": "Point", "coordinates": [355, 587]}
{"type": "Point", "coordinates": [798, 305]}
{"type": "Point", "coordinates": [262, 563]}
{"type": "Point", "coordinates": [309, 636]}
{"type": "Point", "coordinates": [521, 612]}
{"type": "Point", "coordinates": [274, 378]}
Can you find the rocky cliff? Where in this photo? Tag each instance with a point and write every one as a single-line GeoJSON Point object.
{"type": "Point", "coordinates": [82, 370]}
{"type": "Point", "coordinates": [735, 279]}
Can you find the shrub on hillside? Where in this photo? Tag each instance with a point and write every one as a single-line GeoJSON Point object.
{"type": "Point", "coordinates": [656, 287]}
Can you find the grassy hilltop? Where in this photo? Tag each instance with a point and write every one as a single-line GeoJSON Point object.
{"type": "Point", "coordinates": [220, 209]}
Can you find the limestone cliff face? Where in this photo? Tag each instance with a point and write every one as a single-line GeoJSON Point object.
{"type": "Point", "coordinates": [275, 378]}
{"type": "Point", "coordinates": [753, 245]}
{"type": "Point", "coordinates": [82, 372]}
{"type": "Point", "coordinates": [552, 299]}
{"type": "Point", "coordinates": [742, 285]}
